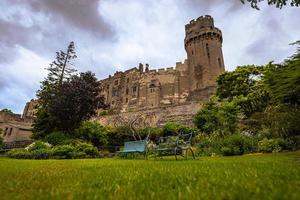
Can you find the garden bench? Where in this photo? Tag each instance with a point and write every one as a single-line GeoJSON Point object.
{"type": "Point", "coordinates": [175, 145]}
{"type": "Point", "coordinates": [139, 146]}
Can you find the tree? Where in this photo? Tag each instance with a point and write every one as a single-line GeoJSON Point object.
{"type": "Point", "coordinates": [277, 3]}
{"type": "Point", "coordinates": [5, 110]}
{"type": "Point", "coordinates": [75, 101]}
{"type": "Point", "coordinates": [244, 86]}
{"type": "Point", "coordinates": [283, 81]}
{"type": "Point", "coordinates": [61, 69]}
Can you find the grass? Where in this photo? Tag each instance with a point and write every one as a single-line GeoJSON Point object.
{"type": "Point", "coordinates": [264, 176]}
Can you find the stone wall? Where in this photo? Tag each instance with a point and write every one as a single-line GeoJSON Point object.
{"type": "Point", "coordinates": [183, 114]}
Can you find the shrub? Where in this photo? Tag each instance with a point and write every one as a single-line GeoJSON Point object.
{"type": "Point", "coordinates": [19, 154]}
{"type": "Point", "coordinates": [92, 132]}
{"type": "Point", "coordinates": [38, 145]}
{"type": "Point", "coordinates": [238, 144]}
{"type": "Point", "coordinates": [64, 152]}
{"type": "Point", "coordinates": [56, 138]}
{"type": "Point", "coordinates": [172, 128]}
{"type": "Point", "coordinates": [87, 149]}
{"type": "Point", "coordinates": [269, 145]}
{"type": "Point", "coordinates": [41, 153]}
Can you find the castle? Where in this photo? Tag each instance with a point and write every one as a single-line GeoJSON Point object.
{"type": "Point", "coordinates": [193, 80]}
{"type": "Point", "coordinates": [163, 95]}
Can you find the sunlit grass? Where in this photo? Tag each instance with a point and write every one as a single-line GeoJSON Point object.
{"type": "Point", "coordinates": [268, 176]}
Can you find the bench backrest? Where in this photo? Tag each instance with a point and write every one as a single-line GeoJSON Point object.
{"type": "Point", "coordinates": [139, 145]}
{"type": "Point", "coordinates": [182, 140]}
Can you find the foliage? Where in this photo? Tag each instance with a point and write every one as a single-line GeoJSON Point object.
{"type": "Point", "coordinates": [244, 87]}
{"type": "Point", "coordinates": [92, 132]}
{"type": "Point", "coordinates": [45, 153]}
{"type": "Point", "coordinates": [117, 136]}
{"type": "Point", "coordinates": [20, 154]}
{"type": "Point", "coordinates": [269, 145]}
{"type": "Point", "coordinates": [75, 101]}
{"type": "Point", "coordinates": [43, 124]}
{"type": "Point", "coordinates": [283, 81]}
{"type": "Point", "coordinates": [172, 128]}
{"type": "Point", "coordinates": [87, 149]}
{"type": "Point", "coordinates": [238, 177]}
{"type": "Point", "coordinates": [217, 116]}
{"type": "Point", "coordinates": [153, 132]}
{"type": "Point", "coordinates": [37, 145]}
{"type": "Point", "coordinates": [56, 138]}
{"type": "Point", "coordinates": [238, 144]}
{"type": "Point", "coordinates": [235, 144]}
{"type": "Point", "coordinates": [64, 152]}
{"type": "Point", "coordinates": [5, 110]}
{"type": "Point", "coordinates": [59, 70]}
{"type": "Point", "coordinates": [277, 3]}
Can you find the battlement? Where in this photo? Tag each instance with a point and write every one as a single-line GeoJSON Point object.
{"type": "Point", "coordinates": [200, 22]}
{"type": "Point", "coordinates": [202, 27]}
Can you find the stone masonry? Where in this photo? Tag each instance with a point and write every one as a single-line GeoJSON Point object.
{"type": "Point", "coordinates": [141, 89]}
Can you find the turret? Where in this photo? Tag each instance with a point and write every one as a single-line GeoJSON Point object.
{"type": "Point", "coordinates": [203, 44]}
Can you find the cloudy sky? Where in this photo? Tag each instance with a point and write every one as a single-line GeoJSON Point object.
{"type": "Point", "coordinates": [115, 35]}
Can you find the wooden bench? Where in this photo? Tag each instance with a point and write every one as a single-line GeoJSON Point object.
{"type": "Point", "coordinates": [175, 145]}
{"type": "Point", "coordinates": [139, 146]}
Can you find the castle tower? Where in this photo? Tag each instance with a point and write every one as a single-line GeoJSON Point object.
{"type": "Point", "coordinates": [203, 44]}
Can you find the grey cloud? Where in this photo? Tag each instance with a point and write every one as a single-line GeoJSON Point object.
{"type": "Point", "coordinates": [80, 13]}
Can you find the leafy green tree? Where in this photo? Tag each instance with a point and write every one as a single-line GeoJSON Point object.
{"type": "Point", "coordinates": [283, 81]}
{"type": "Point", "coordinates": [61, 69]}
{"type": "Point", "coordinates": [277, 3]}
{"type": "Point", "coordinates": [92, 132]}
{"type": "Point", "coordinates": [244, 86]}
{"type": "Point", "coordinates": [217, 116]}
{"type": "Point", "coordinates": [5, 110]}
{"type": "Point", "coordinates": [43, 124]}
{"type": "Point", "coordinates": [75, 101]}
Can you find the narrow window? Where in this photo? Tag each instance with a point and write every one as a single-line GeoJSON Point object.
{"type": "Point", "coordinates": [127, 90]}
{"type": "Point", "coordinates": [219, 61]}
{"type": "Point", "coordinates": [107, 86]}
{"type": "Point", "coordinates": [113, 102]}
{"type": "Point", "coordinates": [207, 51]}
{"type": "Point", "coordinates": [134, 89]}
{"type": "Point", "coordinates": [126, 100]}
{"type": "Point", "coordinates": [192, 52]}
{"type": "Point", "coordinates": [116, 82]}
{"type": "Point", "coordinates": [127, 80]}
{"type": "Point", "coordinates": [9, 134]}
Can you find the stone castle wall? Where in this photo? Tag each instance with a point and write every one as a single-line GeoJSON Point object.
{"type": "Point", "coordinates": [194, 80]}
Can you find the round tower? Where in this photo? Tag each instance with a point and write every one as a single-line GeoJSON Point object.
{"type": "Point", "coordinates": [203, 44]}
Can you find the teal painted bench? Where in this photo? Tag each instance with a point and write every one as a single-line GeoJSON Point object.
{"type": "Point", "coordinates": [139, 146]}
{"type": "Point", "coordinates": [175, 145]}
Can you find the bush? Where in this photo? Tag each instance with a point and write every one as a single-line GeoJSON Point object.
{"type": "Point", "coordinates": [20, 154]}
{"type": "Point", "coordinates": [172, 128]}
{"type": "Point", "coordinates": [41, 153]}
{"type": "Point", "coordinates": [38, 145]}
{"type": "Point", "coordinates": [87, 149]}
{"type": "Point", "coordinates": [92, 132]}
{"type": "Point", "coordinates": [269, 145]}
{"type": "Point", "coordinates": [56, 138]}
{"type": "Point", "coordinates": [64, 152]}
{"type": "Point", "coordinates": [238, 144]}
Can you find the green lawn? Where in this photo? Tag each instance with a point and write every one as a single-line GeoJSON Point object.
{"type": "Point", "coordinates": [268, 176]}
